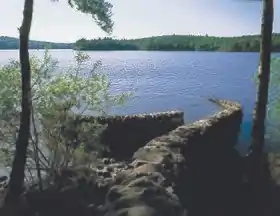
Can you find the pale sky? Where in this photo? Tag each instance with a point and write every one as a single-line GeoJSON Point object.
{"type": "Point", "coordinates": [138, 18]}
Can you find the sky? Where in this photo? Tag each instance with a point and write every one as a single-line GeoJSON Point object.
{"type": "Point", "coordinates": [58, 22]}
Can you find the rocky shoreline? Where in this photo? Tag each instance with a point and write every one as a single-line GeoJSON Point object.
{"type": "Point", "coordinates": [190, 170]}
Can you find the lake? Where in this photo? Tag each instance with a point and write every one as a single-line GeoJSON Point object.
{"type": "Point", "coordinates": [163, 81]}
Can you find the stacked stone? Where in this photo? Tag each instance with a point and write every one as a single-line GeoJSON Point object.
{"type": "Point", "coordinates": [192, 170]}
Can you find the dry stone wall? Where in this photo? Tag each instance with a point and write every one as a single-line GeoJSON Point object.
{"type": "Point", "coordinates": [193, 170]}
{"type": "Point", "coordinates": [173, 170]}
{"type": "Point", "coordinates": [125, 134]}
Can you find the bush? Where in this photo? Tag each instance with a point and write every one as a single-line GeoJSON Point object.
{"type": "Point", "coordinates": [57, 96]}
{"type": "Point", "coordinates": [272, 134]}
{"type": "Point", "coordinates": [273, 111]}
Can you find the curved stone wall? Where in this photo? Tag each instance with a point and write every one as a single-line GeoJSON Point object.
{"type": "Point", "coordinates": [188, 169]}
{"type": "Point", "coordinates": [192, 170]}
{"type": "Point", "coordinates": [125, 134]}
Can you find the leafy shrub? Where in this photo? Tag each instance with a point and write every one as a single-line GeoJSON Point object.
{"type": "Point", "coordinates": [273, 111]}
{"type": "Point", "coordinates": [58, 95]}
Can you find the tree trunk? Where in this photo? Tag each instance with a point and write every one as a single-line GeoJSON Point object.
{"type": "Point", "coordinates": [16, 182]}
{"type": "Point", "coordinates": [258, 131]}
{"type": "Point", "coordinates": [259, 117]}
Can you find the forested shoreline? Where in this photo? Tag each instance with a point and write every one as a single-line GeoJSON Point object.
{"type": "Point", "coordinates": [248, 43]}
{"type": "Point", "coordinates": [11, 43]}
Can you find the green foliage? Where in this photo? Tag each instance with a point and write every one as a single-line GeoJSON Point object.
{"type": "Point", "coordinates": [105, 44]}
{"type": "Point", "coordinates": [273, 110]}
{"type": "Point", "coordinates": [57, 95]}
{"type": "Point", "coordinates": [249, 43]}
{"type": "Point", "coordinates": [100, 11]}
{"type": "Point", "coordinates": [168, 42]}
{"type": "Point", "coordinates": [272, 135]}
{"type": "Point", "coordinates": [273, 113]}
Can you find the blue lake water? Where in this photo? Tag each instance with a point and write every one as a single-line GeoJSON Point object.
{"type": "Point", "coordinates": [163, 81]}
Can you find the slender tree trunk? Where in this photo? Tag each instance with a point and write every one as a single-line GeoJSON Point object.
{"type": "Point", "coordinates": [17, 175]}
{"type": "Point", "coordinates": [258, 131]}
{"type": "Point", "coordinates": [259, 117]}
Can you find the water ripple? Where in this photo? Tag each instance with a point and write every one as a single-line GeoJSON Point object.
{"type": "Point", "coordinates": [173, 80]}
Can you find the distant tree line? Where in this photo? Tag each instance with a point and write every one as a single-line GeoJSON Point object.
{"type": "Point", "coordinates": [13, 43]}
{"type": "Point", "coordinates": [248, 43]}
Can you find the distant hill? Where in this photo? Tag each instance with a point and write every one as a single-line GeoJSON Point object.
{"type": "Point", "coordinates": [247, 43]}
{"type": "Point", "coordinates": [13, 43]}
